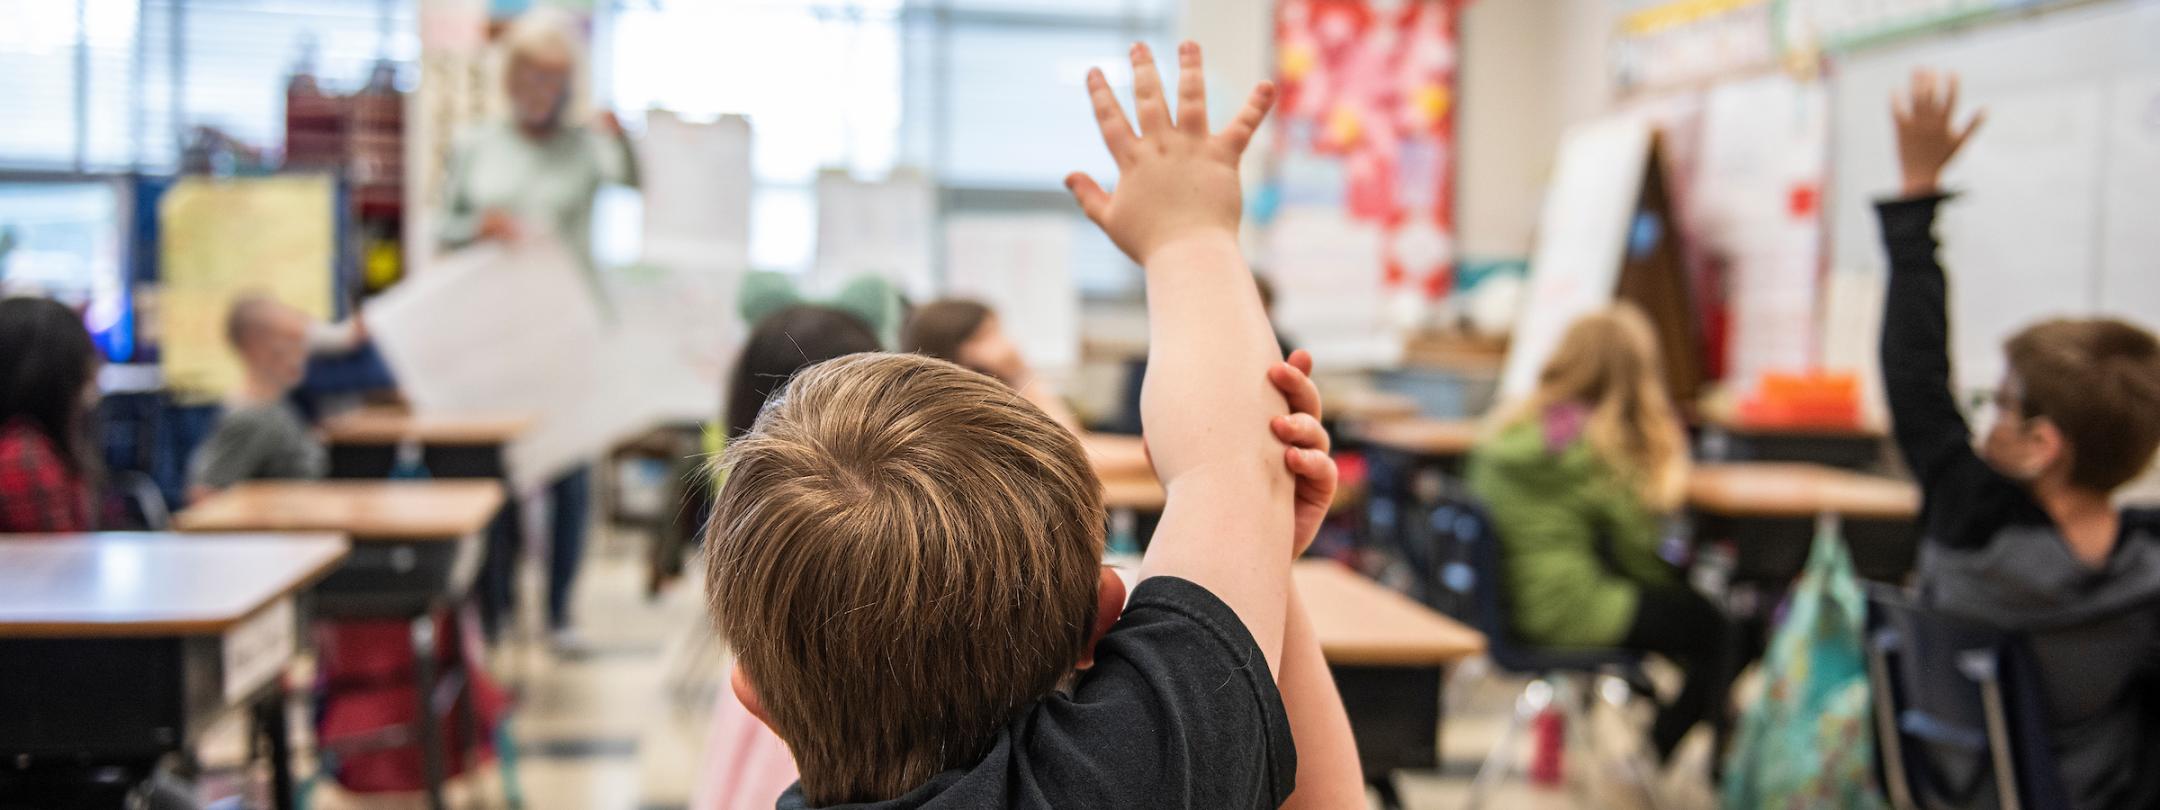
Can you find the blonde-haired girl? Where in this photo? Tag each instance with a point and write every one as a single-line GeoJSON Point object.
{"type": "Point", "coordinates": [1578, 478]}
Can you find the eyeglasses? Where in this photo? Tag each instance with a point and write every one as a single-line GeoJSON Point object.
{"type": "Point", "coordinates": [1984, 406]}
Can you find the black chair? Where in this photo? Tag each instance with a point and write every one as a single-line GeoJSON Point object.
{"type": "Point", "coordinates": [1461, 563]}
{"type": "Point", "coordinates": [1959, 717]}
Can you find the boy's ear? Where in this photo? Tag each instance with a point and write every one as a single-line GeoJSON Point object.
{"type": "Point", "coordinates": [1109, 604]}
{"type": "Point", "coordinates": [746, 692]}
{"type": "Point", "coordinates": [2051, 450]}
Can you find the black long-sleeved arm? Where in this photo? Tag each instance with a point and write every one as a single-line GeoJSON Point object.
{"type": "Point", "coordinates": [1966, 501]}
{"type": "Point", "coordinates": [1924, 416]}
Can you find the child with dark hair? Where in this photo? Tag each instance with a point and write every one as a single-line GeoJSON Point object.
{"type": "Point", "coordinates": [48, 384]}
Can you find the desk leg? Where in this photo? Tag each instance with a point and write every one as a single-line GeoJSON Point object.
{"type": "Point", "coordinates": [1394, 716]}
{"type": "Point", "coordinates": [270, 716]}
{"type": "Point", "coordinates": [431, 742]}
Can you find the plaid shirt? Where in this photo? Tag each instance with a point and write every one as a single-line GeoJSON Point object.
{"type": "Point", "coordinates": [38, 493]}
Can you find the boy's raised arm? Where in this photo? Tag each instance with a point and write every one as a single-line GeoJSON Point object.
{"type": "Point", "coordinates": [1930, 431]}
{"type": "Point", "coordinates": [1206, 401]}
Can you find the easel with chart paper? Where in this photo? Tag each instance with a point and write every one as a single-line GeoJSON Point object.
{"type": "Point", "coordinates": [1607, 234]}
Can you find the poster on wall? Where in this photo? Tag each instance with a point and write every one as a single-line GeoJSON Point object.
{"type": "Point", "coordinates": [1365, 133]}
{"type": "Point", "coordinates": [1668, 43]}
{"type": "Point", "coordinates": [1753, 218]}
{"type": "Point", "coordinates": [221, 239]}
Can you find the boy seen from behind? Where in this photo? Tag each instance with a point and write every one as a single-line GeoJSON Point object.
{"type": "Point", "coordinates": [261, 435]}
{"type": "Point", "coordinates": [2022, 534]}
{"type": "Point", "coordinates": [906, 554]}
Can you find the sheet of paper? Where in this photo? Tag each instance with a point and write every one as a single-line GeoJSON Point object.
{"type": "Point", "coordinates": [1752, 211]}
{"type": "Point", "coordinates": [219, 239]}
{"type": "Point", "coordinates": [880, 228]}
{"type": "Point", "coordinates": [697, 185]}
{"type": "Point", "coordinates": [677, 336]}
{"type": "Point", "coordinates": [512, 329]}
{"type": "Point", "coordinates": [1330, 291]}
{"type": "Point", "coordinates": [1582, 238]}
{"type": "Point", "coordinates": [1021, 265]}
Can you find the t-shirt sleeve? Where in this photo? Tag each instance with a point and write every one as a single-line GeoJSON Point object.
{"type": "Point", "coordinates": [1179, 711]}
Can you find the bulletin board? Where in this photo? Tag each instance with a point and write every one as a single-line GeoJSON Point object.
{"type": "Point", "coordinates": [2055, 214]}
{"type": "Point", "coordinates": [1362, 170]}
{"type": "Point", "coordinates": [219, 239]}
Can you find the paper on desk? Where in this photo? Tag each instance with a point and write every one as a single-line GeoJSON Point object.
{"type": "Point", "coordinates": [512, 328]}
{"type": "Point", "coordinates": [1021, 265]}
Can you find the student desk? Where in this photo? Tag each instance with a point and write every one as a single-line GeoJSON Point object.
{"type": "Point", "coordinates": [1442, 442]}
{"type": "Point", "coordinates": [364, 442]}
{"type": "Point", "coordinates": [1728, 439]}
{"type": "Point", "coordinates": [1389, 656]}
{"type": "Point", "coordinates": [364, 445]}
{"type": "Point", "coordinates": [1770, 512]}
{"type": "Point", "coordinates": [1367, 406]}
{"type": "Point", "coordinates": [118, 649]}
{"type": "Point", "coordinates": [416, 547]}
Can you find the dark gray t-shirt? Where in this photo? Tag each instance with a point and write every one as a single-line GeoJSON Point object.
{"type": "Point", "coordinates": [257, 442]}
{"type": "Point", "coordinates": [1179, 711]}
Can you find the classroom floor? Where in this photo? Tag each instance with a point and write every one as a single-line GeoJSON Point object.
{"type": "Point", "coordinates": [617, 729]}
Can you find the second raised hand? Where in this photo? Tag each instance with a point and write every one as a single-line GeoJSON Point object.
{"type": "Point", "coordinates": [1176, 179]}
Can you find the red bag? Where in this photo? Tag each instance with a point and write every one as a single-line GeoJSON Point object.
{"type": "Point", "coordinates": [367, 706]}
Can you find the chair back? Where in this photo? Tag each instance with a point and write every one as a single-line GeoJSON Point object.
{"type": "Point", "coordinates": [1959, 717]}
{"type": "Point", "coordinates": [1461, 565]}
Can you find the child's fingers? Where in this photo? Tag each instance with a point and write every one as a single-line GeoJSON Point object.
{"type": "Point", "coordinates": [1094, 202]}
{"type": "Point", "coordinates": [1302, 361]}
{"type": "Point", "coordinates": [1950, 94]}
{"type": "Point", "coordinates": [1116, 131]}
{"type": "Point", "coordinates": [1240, 132]}
{"type": "Point", "coordinates": [1192, 91]}
{"type": "Point", "coordinates": [1297, 389]}
{"type": "Point", "coordinates": [1148, 102]}
{"type": "Point", "coordinates": [1979, 117]}
{"type": "Point", "coordinates": [1303, 431]}
{"type": "Point", "coordinates": [1312, 466]}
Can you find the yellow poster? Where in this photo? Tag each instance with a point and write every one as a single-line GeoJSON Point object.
{"type": "Point", "coordinates": [218, 239]}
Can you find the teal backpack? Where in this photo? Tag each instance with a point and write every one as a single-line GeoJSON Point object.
{"type": "Point", "coordinates": [1808, 741]}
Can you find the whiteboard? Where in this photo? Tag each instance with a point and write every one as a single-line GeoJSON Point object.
{"type": "Point", "coordinates": [2056, 213]}
{"type": "Point", "coordinates": [1582, 239]}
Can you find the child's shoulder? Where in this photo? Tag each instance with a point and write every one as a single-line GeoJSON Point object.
{"type": "Point", "coordinates": [21, 443]}
{"type": "Point", "coordinates": [1534, 446]}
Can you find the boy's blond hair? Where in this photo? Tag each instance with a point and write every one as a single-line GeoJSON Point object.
{"type": "Point", "coordinates": [904, 555]}
{"type": "Point", "coordinates": [2098, 381]}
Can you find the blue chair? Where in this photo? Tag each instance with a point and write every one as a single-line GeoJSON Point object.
{"type": "Point", "coordinates": [1461, 563]}
{"type": "Point", "coordinates": [1959, 717]}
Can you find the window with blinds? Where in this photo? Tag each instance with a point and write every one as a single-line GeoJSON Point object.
{"type": "Point", "coordinates": [117, 85]}
{"type": "Point", "coordinates": [985, 94]}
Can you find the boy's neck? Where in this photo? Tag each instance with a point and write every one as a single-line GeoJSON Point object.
{"type": "Point", "coordinates": [258, 391]}
{"type": "Point", "coordinates": [2087, 519]}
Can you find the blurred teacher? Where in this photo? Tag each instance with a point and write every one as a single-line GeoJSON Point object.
{"type": "Point", "coordinates": [536, 173]}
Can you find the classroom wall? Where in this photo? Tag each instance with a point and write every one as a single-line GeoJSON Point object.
{"type": "Point", "coordinates": [1236, 39]}
{"type": "Point", "coordinates": [1530, 68]}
